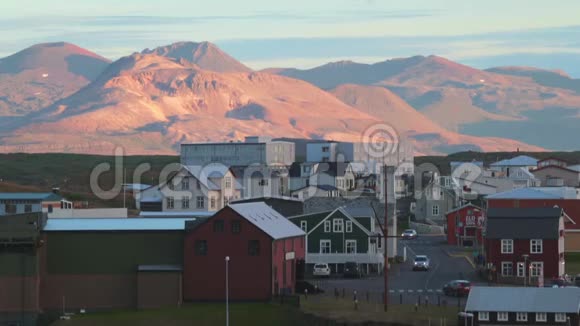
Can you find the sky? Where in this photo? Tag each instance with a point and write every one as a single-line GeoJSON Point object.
{"type": "Point", "coordinates": [307, 33]}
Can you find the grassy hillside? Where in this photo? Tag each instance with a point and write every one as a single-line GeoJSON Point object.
{"type": "Point", "coordinates": [71, 173]}
{"type": "Point", "coordinates": [442, 162]}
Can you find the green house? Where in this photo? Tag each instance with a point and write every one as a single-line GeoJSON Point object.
{"type": "Point", "coordinates": [340, 236]}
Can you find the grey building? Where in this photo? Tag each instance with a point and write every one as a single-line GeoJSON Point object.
{"type": "Point", "coordinates": [253, 151]}
{"type": "Point", "coordinates": [522, 306]}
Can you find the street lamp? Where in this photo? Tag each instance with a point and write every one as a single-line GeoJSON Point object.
{"type": "Point", "coordinates": [525, 256]}
{"type": "Point", "coordinates": [227, 292]}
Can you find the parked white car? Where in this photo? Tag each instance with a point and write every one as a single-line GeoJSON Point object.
{"type": "Point", "coordinates": [321, 270]}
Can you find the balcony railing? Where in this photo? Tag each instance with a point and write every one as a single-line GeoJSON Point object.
{"type": "Point", "coordinates": [360, 258]}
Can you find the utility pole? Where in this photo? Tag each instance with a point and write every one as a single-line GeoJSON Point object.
{"type": "Point", "coordinates": [227, 292]}
{"type": "Point", "coordinates": [386, 237]}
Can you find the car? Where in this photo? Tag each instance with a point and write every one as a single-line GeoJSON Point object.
{"type": "Point", "coordinates": [409, 234]}
{"type": "Point", "coordinates": [457, 288]}
{"type": "Point", "coordinates": [352, 270]}
{"type": "Point", "coordinates": [368, 191]}
{"type": "Point", "coordinates": [321, 270]}
{"type": "Point", "coordinates": [421, 262]}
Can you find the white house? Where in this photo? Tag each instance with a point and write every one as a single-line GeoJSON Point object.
{"type": "Point", "coordinates": [192, 189]}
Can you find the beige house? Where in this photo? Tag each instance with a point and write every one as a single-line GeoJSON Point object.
{"type": "Point", "coordinates": [554, 172]}
{"type": "Point", "coordinates": [192, 189]}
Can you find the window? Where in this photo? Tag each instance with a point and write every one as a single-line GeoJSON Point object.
{"type": "Point", "coordinates": [254, 248]}
{"type": "Point", "coordinates": [263, 182]}
{"type": "Point", "coordinates": [201, 247]}
{"type": "Point", "coordinates": [228, 182]}
{"type": "Point", "coordinates": [326, 226]}
{"type": "Point", "coordinates": [507, 246]}
{"type": "Point", "coordinates": [185, 202]}
{"type": "Point", "coordinates": [507, 268]}
{"type": "Point", "coordinates": [536, 246]}
{"type": "Point", "coordinates": [198, 184]}
{"type": "Point", "coordinates": [10, 209]}
{"type": "Point", "coordinates": [536, 269]}
{"type": "Point", "coordinates": [226, 201]}
{"type": "Point", "coordinates": [560, 317]}
{"type": "Point", "coordinates": [325, 246]}
{"type": "Point", "coordinates": [212, 202]}
{"type": "Point", "coordinates": [435, 210]}
{"type": "Point", "coordinates": [483, 315]}
{"type": "Point", "coordinates": [349, 226]}
{"type": "Point", "coordinates": [325, 149]}
{"type": "Point", "coordinates": [502, 316]}
{"type": "Point", "coordinates": [522, 316]}
{"type": "Point", "coordinates": [521, 269]}
{"type": "Point", "coordinates": [27, 208]}
{"type": "Point", "coordinates": [200, 202]}
{"type": "Point", "coordinates": [218, 226]}
{"type": "Point", "coordinates": [185, 183]}
{"type": "Point", "coordinates": [170, 185]}
{"type": "Point", "coordinates": [170, 203]}
{"type": "Point", "coordinates": [351, 246]}
{"type": "Point", "coordinates": [236, 227]}
{"type": "Point", "coordinates": [541, 316]}
{"type": "Point", "coordinates": [337, 225]}
{"type": "Point", "coordinates": [304, 226]}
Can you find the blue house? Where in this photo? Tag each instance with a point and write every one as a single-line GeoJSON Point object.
{"type": "Point", "coordinates": [27, 202]}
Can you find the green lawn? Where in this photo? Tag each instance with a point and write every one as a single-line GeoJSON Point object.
{"type": "Point", "coordinates": [200, 314]}
{"type": "Point", "coordinates": [343, 310]}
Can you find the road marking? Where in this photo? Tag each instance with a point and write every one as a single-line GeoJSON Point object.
{"type": "Point", "coordinates": [401, 291]}
{"type": "Point", "coordinates": [439, 291]}
{"type": "Point", "coordinates": [419, 291]}
{"type": "Point", "coordinates": [429, 290]}
{"type": "Point", "coordinates": [410, 291]}
{"type": "Point", "coordinates": [391, 291]}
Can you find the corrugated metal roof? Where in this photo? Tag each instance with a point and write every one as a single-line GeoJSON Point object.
{"type": "Point", "coordinates": [523, 299]}
{"type": "Point", "coordinates": [537, 193]}
{"type": "Point", "coordinates": [116, 224]}
{"type": "Point", "coordinates": [29, 196]}
{"type": "Point", "coordinates": [176, 214]}
{"type": "Point", "coordinates": [522, 160]}
{"type": "Point", "coordinates": [159, 268]}
{"type": "Point", "coordinates": [268, 220]}
{"type": "Point", "coordinates": [540, 223]}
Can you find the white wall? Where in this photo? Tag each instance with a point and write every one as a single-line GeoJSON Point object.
{"type": "Point", "coordinates": [89, 213]}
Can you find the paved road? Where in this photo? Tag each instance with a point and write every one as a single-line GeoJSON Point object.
{"type": "Point", "coordinates": [403, 280]}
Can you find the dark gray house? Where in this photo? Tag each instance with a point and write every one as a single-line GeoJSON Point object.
{"type": "Point", "coordinates": [523, 306]}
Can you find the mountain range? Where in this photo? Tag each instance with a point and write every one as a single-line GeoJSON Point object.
{"type": "Point", "coordinates": [58, 97]}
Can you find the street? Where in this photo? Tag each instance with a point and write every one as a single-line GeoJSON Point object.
{"type": "Point", "coordinates": [404, 283]}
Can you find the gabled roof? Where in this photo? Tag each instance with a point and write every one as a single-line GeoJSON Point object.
{"type": "Point", "coordinates": [537, 193]}
{"type": "Point", "coordinates": [334, 169]}
{"type": "Point", "coordinates": [524, 299]}
{"type": "Point", "coordinates": [116, 224]}
{"type": "Point", "coordinates": [321, 187]}
{"type": "Point", "coordinates": [563, 168]}
{"type": "Point", "coordinates": [462, 207]}
{"type": "Point", "coordinates": [345, 213]}
{"type": "Point", "coordinates": [268, 220]}
{"type": "Point", "coordinates": [42, 196]}
{"type": "Point", "coordinates": [521, 160]}
{"type": "Point", "coordinates": [523, 223]}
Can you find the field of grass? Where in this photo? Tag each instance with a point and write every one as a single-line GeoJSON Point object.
{"type": "Point", "coordinates": [343, 310]}
{"type": "Point", "coordinates": [71, 173]}
{"type": "Point", "coordinates": [200, 314]}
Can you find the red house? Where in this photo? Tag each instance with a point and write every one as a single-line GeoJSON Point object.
{"type": "Point", "coordinates": [525, 244]}
{"type": "Point", "coordinates": [263, 249]}
{"type": "Point", "coordinates": [566, 198]}
{"type": "Point", "coordinates": [465, 225]}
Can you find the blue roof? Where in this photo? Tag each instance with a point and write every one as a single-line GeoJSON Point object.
{"type": "Point", "coordinates": [27, 195]}
{"type": "Point", "coordinates": [537, 193]}
{"type": "Point", "coordinates": [522, 160]}
{"type": "Point", "coordinates": [116, 224]}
